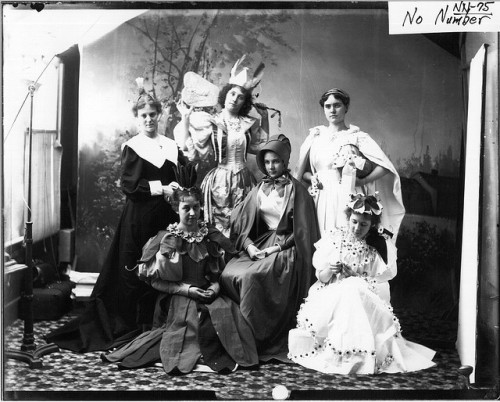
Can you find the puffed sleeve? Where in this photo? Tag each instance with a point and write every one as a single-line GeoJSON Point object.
{"type": "Point", "coordinates": [384, 272]}
{"type": "Point", "coordinates": [323, 254]}
{"type": "Point", "coordinates": [327, 251]}
{"type": "Point", "coordinates": [133, 184]}
{"type": "Point", "coordinates": [167, 273]}
{"type": "Point", "coordinates": [198, 145]}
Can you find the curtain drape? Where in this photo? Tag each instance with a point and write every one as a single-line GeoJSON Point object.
{"type": "Point", "coordinates": [45, 182]}
{"type": "Point", "coordinates": [467, 315]}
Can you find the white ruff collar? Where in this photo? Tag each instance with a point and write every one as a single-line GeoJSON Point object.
{"type": "Point", "coordinates": [155, 152]}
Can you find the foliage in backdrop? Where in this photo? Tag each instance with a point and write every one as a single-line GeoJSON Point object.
{"type": "Point", "coordinates": [163, 46]}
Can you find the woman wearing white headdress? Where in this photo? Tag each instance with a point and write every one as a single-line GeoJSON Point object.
{"type": "Point", "coordinates": [229, 135]}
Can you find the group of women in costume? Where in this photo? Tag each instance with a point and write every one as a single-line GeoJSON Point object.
{"type": "Point", "coordinates": [294, 267]}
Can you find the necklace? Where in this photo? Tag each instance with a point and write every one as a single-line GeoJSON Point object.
{"type": "Point", "coordinates": [234, 124]}
{"type": "Point", "coordinates": [156, 139]}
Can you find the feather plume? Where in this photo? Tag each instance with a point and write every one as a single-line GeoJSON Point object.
{"type": "Point", "coordinates": [185, 175]}
{"type": "Point", "coordinates": [257, 76]}
{"type": "Point", "coordinates": [236, 65]}
{"type": "Point", "coordinates": [140, 84]}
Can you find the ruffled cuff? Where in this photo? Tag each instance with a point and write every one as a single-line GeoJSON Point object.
{"type": "Point", "coordinates": [247, 243]}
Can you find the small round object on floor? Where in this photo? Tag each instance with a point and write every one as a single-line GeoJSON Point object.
{"type": "Point", "coordinates": [280, 393]}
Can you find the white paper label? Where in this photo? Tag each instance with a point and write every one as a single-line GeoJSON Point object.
{"type": "Point", "coordinates": [407, 17]}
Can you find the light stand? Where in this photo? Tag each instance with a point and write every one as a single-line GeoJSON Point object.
{"type": "Point", "coordinates": [29, 353]}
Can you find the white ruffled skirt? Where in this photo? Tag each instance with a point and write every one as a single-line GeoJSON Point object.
{"type": "Point", "coordinates": [346, 328]}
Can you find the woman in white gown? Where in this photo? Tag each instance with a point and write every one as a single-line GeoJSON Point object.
{"type": "Point", "coordinates": [322, 159]}
{"type": "Point", "coordinates": [346, 324]}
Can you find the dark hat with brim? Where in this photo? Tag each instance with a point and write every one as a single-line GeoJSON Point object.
{"type": "Point", "coordinates": [280, 145]}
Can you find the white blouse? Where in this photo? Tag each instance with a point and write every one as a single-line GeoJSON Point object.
{"type": "Point", "coordinates": [273, 206]}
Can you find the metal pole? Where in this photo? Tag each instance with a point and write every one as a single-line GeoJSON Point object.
{"type": "Point", "coordinates": [29, 352]}
{"type": "Point", "coordinates": [29, 339]}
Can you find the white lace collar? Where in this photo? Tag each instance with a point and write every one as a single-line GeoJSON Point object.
{"type": "Point", "coordinates": [155, 151]}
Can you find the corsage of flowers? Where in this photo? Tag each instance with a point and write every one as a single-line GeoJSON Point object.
{"type": "Point", "coordinates": [315, 186]}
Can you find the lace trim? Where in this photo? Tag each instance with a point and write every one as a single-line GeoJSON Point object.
{"type": "Point", "coordinates": [190, 237]}
{"type": "Point", "coordinates": [350, 131]}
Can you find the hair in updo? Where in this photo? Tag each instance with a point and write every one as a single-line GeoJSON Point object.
{"type": "Point", "coordinates": [181, 193]}
{"type": "Point", "coordinates": [145, 99]}
{"type": "Point", "coordinates": [247, 103]}
{"type": "Point", "coordinates": [337, 93]}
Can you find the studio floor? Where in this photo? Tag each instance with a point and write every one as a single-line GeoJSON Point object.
{"type": "Point", "coordinates": [69, 376]}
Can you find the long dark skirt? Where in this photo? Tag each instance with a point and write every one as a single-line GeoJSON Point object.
{"type": "Point", "coordinates": [266, 293]}
{"type": "Point", "coordinates": [121, 305]}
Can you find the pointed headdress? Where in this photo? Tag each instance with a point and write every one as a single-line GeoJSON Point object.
{"type": "Point", "coordinates": [242, 78]}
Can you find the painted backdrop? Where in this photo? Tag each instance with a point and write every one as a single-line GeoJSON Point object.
{"type": "Point", "coordinates": [405, 90]}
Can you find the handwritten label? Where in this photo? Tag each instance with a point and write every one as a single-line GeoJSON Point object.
{"type": "Point", "coordinates": [406, 17]}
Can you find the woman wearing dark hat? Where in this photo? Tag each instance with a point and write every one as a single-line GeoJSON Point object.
{"type": "Point", "coordinates": [120, 303]}
{"type": "Point", "coordinates": [339, 159]}
{"type": "Point", "coordinates": [274, 229]}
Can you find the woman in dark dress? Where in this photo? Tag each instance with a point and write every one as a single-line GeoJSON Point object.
{"type": "Point", "coordinates": [121, 305]}
{"type": "Point", "coordinates": [274, 229]}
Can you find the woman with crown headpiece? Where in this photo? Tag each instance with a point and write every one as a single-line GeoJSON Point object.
{"type": "Point", "coordinates": [238, 129]}
{"type": "Point", "coordinates": [120, 303]}
{"type": "Point", "coordinates": [274, 230]}
{"type": "Point", "coordinates": [346, 325]}
{"type": "Point", "coordinates": [338, 159]}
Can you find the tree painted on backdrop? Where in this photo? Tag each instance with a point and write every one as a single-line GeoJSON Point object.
{"type": "Point", "coordinates": [170, 44]}
{"type": "Point", "coordinates": [208, 44]}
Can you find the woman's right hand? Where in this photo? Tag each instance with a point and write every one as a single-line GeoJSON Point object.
{"type": "Point", "coordinates": [168, 191]}
{"type": "Point", "coordinates": [315, 182]}
{"type": "Point", "coordinates": [196, 293]}
{"type": "Point", "coordinates": [315, 186]}
{"type": "Point", "coordinates": [336, 267]}
{"type": "Point", "coordinates": [255, 253]}
{"type": "Point", "coordinates": [184, 109]}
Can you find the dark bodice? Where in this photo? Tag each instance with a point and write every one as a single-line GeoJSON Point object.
{"type": "Point", "coordinates": [194, 273]}
{"type": "Point", "coordinates": [138, 172]}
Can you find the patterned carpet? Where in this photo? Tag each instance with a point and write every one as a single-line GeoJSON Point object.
{"type": "Point", "coordinates": [69, 376]}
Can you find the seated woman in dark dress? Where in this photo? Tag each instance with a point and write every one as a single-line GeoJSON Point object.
{"type": "Point", "coordinates": [274, 229]}
{"type": "Point", "coordinates": [121, 304]}
{"type": "Point", "coordinates": [195, 323]}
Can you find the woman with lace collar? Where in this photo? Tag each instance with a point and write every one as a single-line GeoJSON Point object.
{"type": "Point", "coordinates": [195, 327]}
{"type": "Point", "coordinates": [339, 159]}
{"type": "Point", "coordinates": [120, 303]}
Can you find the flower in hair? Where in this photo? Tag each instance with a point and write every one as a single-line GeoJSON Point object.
{"type": "Point", "coordinates": [140, 84]}
{"type": "Point", "coordinates": [365, 204]}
